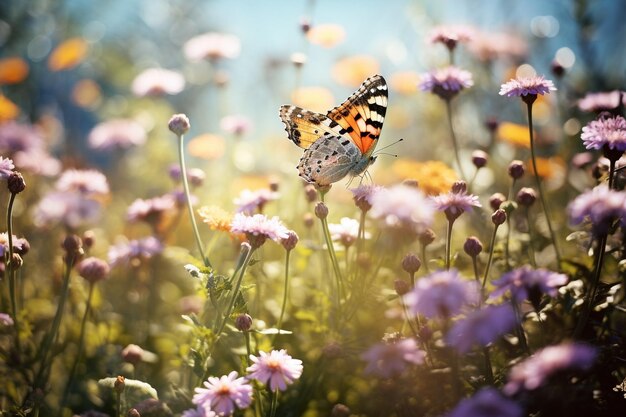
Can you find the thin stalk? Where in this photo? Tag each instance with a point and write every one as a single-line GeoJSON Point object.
{"type": "Point", "coordinates": [285, 294]}
{"type": "Point", "coordinates": [274, 405]}
{"type": "Point", "coordinates": [425, 261]}
{"type": "Point", "coordinates": [448, 243]}
{"type": "Point", "coordinates": [611, 172]}
{"type": "Point", "coordinates": [192, 217]}
{"type": "Point", "coordinates": [507, 252]}
{"type": "Point", "coordinates": [488, 370]}
{"type": "Point", "coordinates": [520, 328]}
{"type": "Point", "coordinates": [81, 343]}
{"type": "Point", "coordinates": [490, 259]}
{"type": "Point", "coordinates": [533, 262]}
{"type": "Point", "coordinates": [475, 265]}
{"type": "Point", "coordinates": [455, 144]}
{"type": "Point", "coordinates": [540, 186]}
{"type": "Point", "coordinates": [11, 270]}
{"type": "Point", "coordinates": [591, 294]}
{"type": "Point", "coordinates": [333, 256]}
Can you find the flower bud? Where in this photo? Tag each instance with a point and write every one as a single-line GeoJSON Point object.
{"type": "Point", "coordinates": [119, 384]}
{"type": "Point", "coordinates": [179, 124]}
{"type": "Point", "coordinates": [89, 238]}
{"type": "Point", "coordinates": [305, 25]}
{"type": "Point", "coordinates": [16, 262]}
{"type": "Point", "coordinates": [132, 354]}
{"type": "Point", "coordinates": [243, 322]}
{"type": "Point", "coordinates": [479, 158]}
{"type": "Point", "coordinates": [411, 263]}
{"type": "Point", "coordinates": [509, 207]}
{"type": "Point", "coordinates": [401, 286]}
{"type": "Point", "coordinates": [196, 177]}
{"type": "Point", "coordinates": [321, 210]}
{"type": "Point", "coordinates": [73, 246]}
{"type": "Point", "coordinates": [427, 237]}
{"type": "Point", "coordinates": [491, 124]}
{"type": "Point", "coordinates": [557, 69]}
{"type": "Point", "coordinates": [274, 185]}
{"type": "Point", "coordinates": [516, 169]}
{"type": "Point", "coordinates": [498, 217]}
{"type": "Point", "coordinates": [459, 187]}
{"type": "Point", "coordinates": [526, 197]}
{"type": "Point", "coordinates": [93, 269]}
{"type": "Point", "coordinates": [472, 246]}
{"type": "Point", "coordinates": [496, 200]}
{"type": "Point", "coordinates": [133, 413]}
{"type": "Point", "coordinates": [340, 410]}
{"type": "Point", "coordinates": [310, 193]}
{"type": "Point", "coordinates": [290, 241]}
{"type": "Point", "coordinates": [16, 183]}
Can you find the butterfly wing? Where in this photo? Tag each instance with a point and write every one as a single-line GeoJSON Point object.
{"type": "Point", "coordinates": [304, 127]}
{"type": "Point", "coordinates": [329, 159]}
{"type": "Point", "coordinates": [362, 115]}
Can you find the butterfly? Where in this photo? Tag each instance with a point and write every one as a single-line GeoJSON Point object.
{"type": "Point", "coordinates": [342, 141]}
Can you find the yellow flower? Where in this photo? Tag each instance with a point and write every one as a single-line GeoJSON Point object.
{"type": "Point", "coordinates": [514, 134]}
{"type": "Point", "coordinates": [13, 70]}
{"type": "Point", "coordinates": [326, 35]}
{"type": "Point", "coordinates": [317, 99]}
{"type": "Point", "coordinates": [68, 54]}
{"type": "Point", "coordinates": [404, 82]}
{"type": "Point", "coordinates": [8, 109]}
{"type": "Point", "coordinates": [351, 71]}
{"type": "Point", "coordinates": [207, 146]}
{"type": "Point", "coordinates": [433, 177]}
{"type": "Point", "coordinates": [86, 93]}
{"type": "Point", "coordinates": [548, 168]}
{"type": "Point", "coordinates": [216, 218]}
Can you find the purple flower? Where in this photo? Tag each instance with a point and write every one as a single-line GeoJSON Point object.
{"type": "Point", "coordinates": [488, 402]}
{"type": "Point", "coordinates": [481, 327]}
{"type": "Point", "coordinates": [276, 369]}
{"type": "Point", "coordinates": [212, 45]}
{"type": "Point", "coordinates": [6, 168]}
{"type": "Point", "coordinates": [151, 210]}
{"type": "Point", "coordinates": [157, 82]}
{"type": "Point", "coordinates": [135, 251]}
{"type": "Point", "coordinates": [235, 124]}
{"type": "Point", "coordinates": [441, 294]}
{"type": "Point", "coordinates": [69, 208]}
{"type": "Point", "coordinates": [85, 182]}
{"type": "Point", "coordinates": [250, 201]}
{"type": "Point", "coordinates": [117, 134]}
{"type": "Point", "coordinates": [363, 195]}
{"type": "Point", "coordinates": [455, 203]}
{"type": "Point", "coordinates": [446, 82]}
{"type": "Point", "coordinates": [403, 207]}
{"type": "Point", "coordinates": [524, 86]}
{"type": "Point", "coordinates": [526, 283]}
{"type": "Point", "coordinates": [24, 144]}
{"type": "Point", "coordinates": [224, 395]}
{"type": "Point", "coordinates": [346, 231]}
{"type": "Point", "coordinates": [258, 228]}
{"type": "Point", "coordinates": [451, 35]}
{"type": "Point", "coordinates": [606, 131]}
{"type": "Point", "coordinates": [603, 101]}
{"type": "Point", "coordinates": [536, 370]}
{"type": "Point", "coordinates": [199, 411]}
{"type": "Point", "coordinates": [5, 320]}
{"type": "Point", "coordinates": [388, 359]}
{"type": "Point", "coordinates": [93, 269]}
{"type": "Point", "coordinates": [601, 206]}
{"type": "Point", "coordinates": [37, 161]}
{"type": "Point", "coordinates": [20, 245]}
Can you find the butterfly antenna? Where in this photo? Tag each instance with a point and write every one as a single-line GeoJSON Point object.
{"type": "Point", "coordinates": [377, 152]}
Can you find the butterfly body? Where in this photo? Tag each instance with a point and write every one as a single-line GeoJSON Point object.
{"type": "Point", "coordinates": [341, 142]}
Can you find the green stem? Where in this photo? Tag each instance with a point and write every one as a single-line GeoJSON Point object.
{"type": "Point", "coordinates": [192, 217]}
{"type": "Point", "coordinates": [611, 172]}
{"type": "Point", "coordinates": [333, 257]}
{"type": "Point", "coordinates": [591, 294]}
{"type": "Point", "coordinates": [81, 343]}
{"type": "Point", "coordinates": [488, 370]}
{"type": "Point", "coordinates": [490, 259]}
{"type": "Point", "coordinates": [533, 262]}
{"type": "Point", "coordinates": [285, 294]}
{"type": "Point", "coordinates": [448, 243]}
{"type": "Point", "coordinates": [274, 405]}
{"type": "Point", "coordinates": [540, 186]}
{"type": "Point", "coordinates": [507, 252]}
{"type": "Point", "coordinates": [11, 271]}
{"type": "Point", "coordinates": [455, 144]}
{"type": "Point", "coordinates": [520, 327]}
{"type": "Point", "coordinates": [424, 260]}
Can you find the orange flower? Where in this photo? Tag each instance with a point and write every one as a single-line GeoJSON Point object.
{"type": "Point", "coordinates": [216, 218]}
{"type": "Point", "coordinates": [207, 146]}
{"type": "Point", "coordinates": [13, 70]}
{"type": "Point", "coordinates": [317, 99]}
{"type": "Point", "coordinates": [353, 70]}
{"type": "Point", "coordinates": [433, 177]}
{"type": "Point", "coordinates": [86, 93]}
{"type": "Point", "coordinates": [8, 109]}
{"type": "Point", "coordinates": [68, 54]}
{"type": "Point", "coordinates": [404, 82]}
{"type": "Point", "coordinates": [548, 168]}
{"type": "Point", "coordinates": [514, 134]}
{"type": "Point", "coordinates": [326, 35]}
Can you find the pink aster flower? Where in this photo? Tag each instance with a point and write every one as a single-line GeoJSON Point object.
{"type": "Point", "coordinates": [5, 320]}
{"type": "Point", "coordinates": [20, 245]}
{"type": "Point", "coordinates": [250, 201]}
{"type": "Point", "coordinates": [363, 195]}
{"type": "Point", "coordinates": [150, 210]}
{"type": "Point", "coordinates": [456, 202]}
{"type": "Point", "coordinates": [526, 283]}
{"type": "Point", "coordinates": [446, 82]}
{"type": "Point", "coordinates": [258, 228]}
{"type": "Point", "coordinates": [135, 251]}
{"type": "Point", "coordinates": [441, 294]}
{"type": "Point", "coordinates": [602, 101]}
{"type": "Point", "coordinates": [117, 133]}
{"type": "Point", "coordinates": [37, 161]}
{"type": "Point", "coordinates": [224, 395]}
{"type": "Point", "coordinates": [527, 86]}
{"type": "Point", "coordinates": [488, 402]}
{"type": "Point", "coordinates": [403, 207]}
{"type": "Point", "coordinates": [277, 369]}
{"type": "Point", "coordinates": [451, 35]}
{"type": "Point", "coordinates": [6, 168]}
{"type": "Point", "coordinates": [536, 370]}
{"type": "Point", "coordinates": [601, 206]}
{"type": "Point", "coordinates": [85, 182]}
{"type": "Point", "coordinates": [488, 46]}
{"type": "Point", "coordinates": [157, 82]}
{"type": "Point", "coordinates": [607, 132]}
{"type": "Point", "coordinates": [212, 45]}
{"type": "Point", "coordinates": [481, 327]}
{"type": "Point", "coordinates": [199, 411]}
{"type": "Point", "coordinates": [390, 358]}
{"type": "Point", "coordinates": [346, 231]}
{"type": "Point", "coordinates": [235, 124]}
{"type": "Point", "coordinates": [25, 145]}
{"type": "Point", "coordinates": [70, 208]}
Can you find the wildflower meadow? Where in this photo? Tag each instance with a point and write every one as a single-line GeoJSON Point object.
{"type": "Point", "coordinates": [312, 208]}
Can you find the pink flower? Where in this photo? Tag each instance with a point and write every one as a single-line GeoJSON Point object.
{"type": "Point", "coordinates": [446, 82]}
{"type": "Point", "coordinates": [455, 203]}
{"type": "Point", "coordinates": [150, 210]}
{"type": "Point", "coordinates": [403, 207]}
{"type": "Point", "coordinates": [388, 359]}
{"type": "Point", "coordinates": [71, 209]}
{"type": "Point", "coordinates": [199, 411]}
{"type": "Point", "coordinates": [605, 132]}
{"type": "Point", "coordinates": [277, 369]}
{"type": "Point", "coordinates": [157, 81]}
{"type": "Point", "coordinates": [527, 283]}
{"type": "Point", "coordinates": [258, 228]}
{"type": "Point", "coordinates": [250, 201]}
{"type": "Point", "coordinates": [481, 327]}
{"type": "Point", "coordinates": [6, 168]}
{"type": "Point", "coordinates": [85, 182]}
{"type": "Point", "coordinates": [212, 45]}
{"type": "Point", "coordinates": [235, 124]}
{"type": "Point", "coordinates": [363, 194]}
{"type": "Point", "coordinates": [346, 231]}
{"type": "Point", "coordinates": [451, 35]}
{"type": "Point", "coordinates": [603, 101]}
{"type": "Point", "coordinates": [223, 395]}
{"type": "Point", "coordinates": [527, 86]}
{"type": "Point", "coordinates": [117, 133]}
{"type": "Point", "coordinates": [6, 320]}
{"type": "Point", "coordinates": [489, 46]}
{"type": "Point", "coordinates": [135, 251]}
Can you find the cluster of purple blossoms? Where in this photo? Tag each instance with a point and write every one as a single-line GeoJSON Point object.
{"type": "Point", "coordinates": [363, 194]}
{"type": "Point", "coordinates": [6, 167]}
{"type": "Point", "coordinates": [258, 228]}
{"type": "Point", "coordinates": [24, 144]}
{"type": "Point", "coordinates": [601, 206]}
{"type": "Point", "coordinates": [609, 132]}
{"type": "Point", "coordinates": [456, 202]}
{"type": "Point", "coordinates": [117, 134]}
{"type": "Point", "coordinates": [603, 101]}
{"type": "Point", "coordinates": [150, 210]}
{"type": "Point", "coordinates": [135, 251]}
{"type": "Point", "coordinates": [390, 358]}
{"type": "Point", "coordinates": [441, 294]}
{"type": "Point", "coordinates": [488, 402]}
{"type": "Point", "coordinates": [536, 370]}
{"type": "Point", "coordinates": [446, 82]}
{"type": "Point", "coordinates": [481, 327]}
{"type": "Point", "coordinates": [527, 86]}
{"type": "Point", "coordinates": [249, 201]}
{"type": "Point", "coordinates": [526, 283]}
{"type": "Point", "coordinates": [402, 207]}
